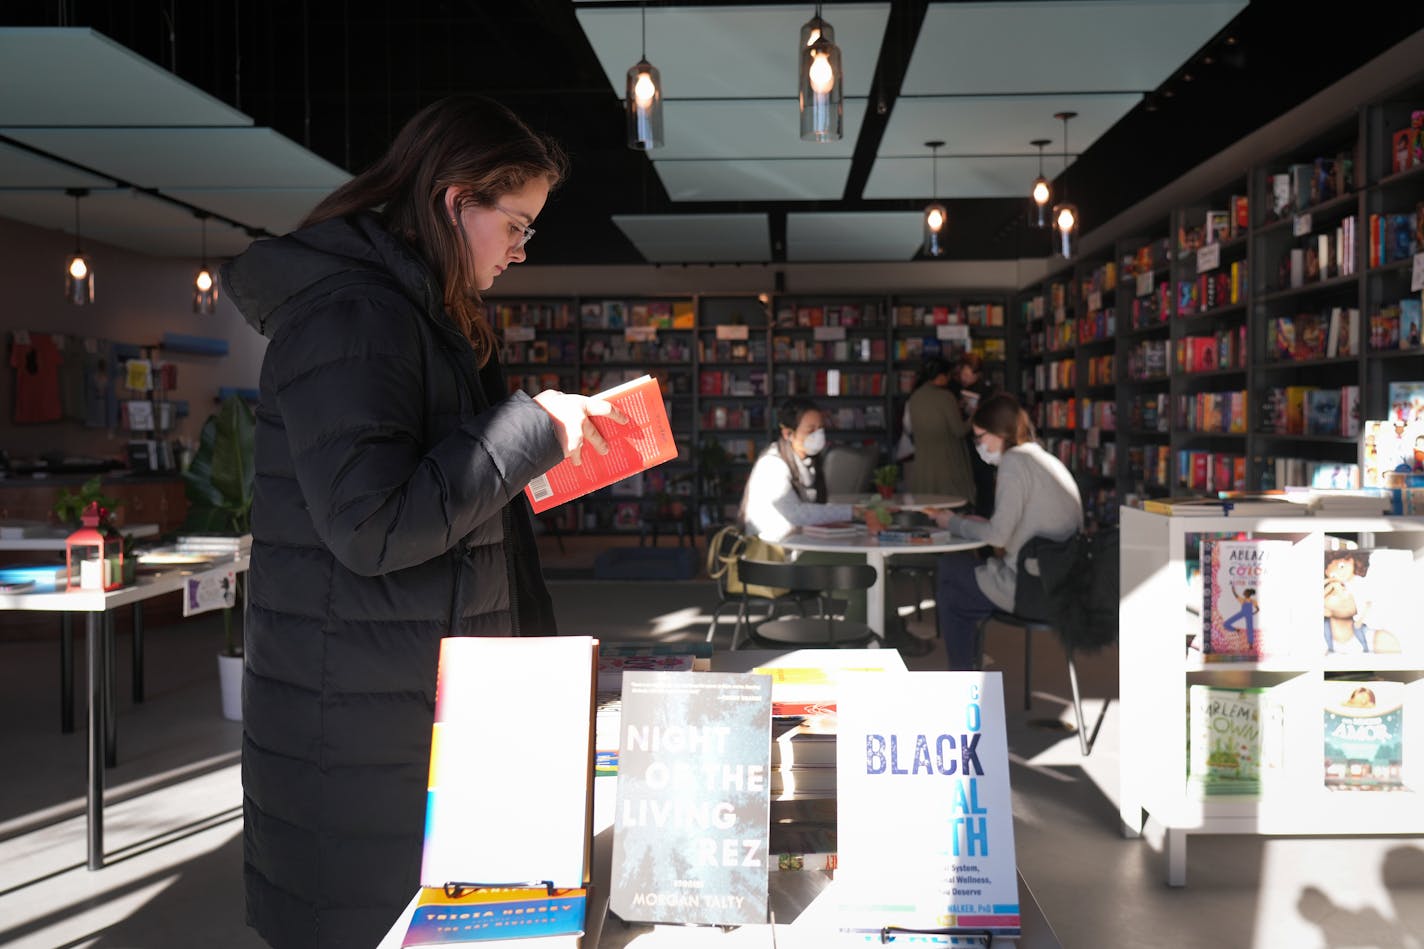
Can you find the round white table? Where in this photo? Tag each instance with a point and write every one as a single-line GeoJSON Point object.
{"type": "Point", "coordinates": [875, 554]}
{"type": "Point", "coordinates": [904, 502]}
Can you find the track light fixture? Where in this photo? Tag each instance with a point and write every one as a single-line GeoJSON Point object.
{"type": "Point", "coordinates": [643, 98]}
{"type": "Point", "coordinates": [1065, 215]}
{"type": "Point", "coordinates": [205, 287]}
{"type": "Point", "coordinates": [819, 81]}
{"type": "Point", "coordinates": [936, 215]}
{"type": "Point", "coordinates": [78, 272]}
{"type": "Point", "coordinates": [1042, 190]}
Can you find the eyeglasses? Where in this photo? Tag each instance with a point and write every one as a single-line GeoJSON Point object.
{"type": "Point", "coordinates": [528, 231]}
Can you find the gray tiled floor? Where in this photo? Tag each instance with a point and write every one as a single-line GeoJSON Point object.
{"type": "Point", "coordinates": [174, 817]}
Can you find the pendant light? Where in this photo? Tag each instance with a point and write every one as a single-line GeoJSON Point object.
{"type": "Point", "coordinates": [643, 96]}
{"type": "Point", "coordinates": [936, 215]}
{"type": "Point", "coordinates": [78, 272]}
{"type": "Point", "coordinates": [1065, 215]}
{"type": "Point", "coordinates": [819, 81]}
{"type": "Point", "coordinates": [205, 287]}
{"type": "Point", "coordinates": [1042, 191]}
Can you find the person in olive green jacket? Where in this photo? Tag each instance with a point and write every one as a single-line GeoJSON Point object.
{"type": "Point", "coordinates": [941, 463]}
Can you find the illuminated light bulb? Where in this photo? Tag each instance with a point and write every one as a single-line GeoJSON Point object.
{"type": "Point", "coordinates": [78, 269]}
{"type": "Point", "coordinates": [644, 90]}
{"type": "Point", "coordinates": [1065, 219]}
{"type": "Point", "coordinates": [935, 219]}
{"type": "Point", "coordinates": [204, 281]}
{"type": "Point", "coordinates": [822, 76]}
{"type": "Point", "coordinates": [1040, 192]}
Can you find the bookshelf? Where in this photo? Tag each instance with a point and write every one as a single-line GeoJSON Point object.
{"type": "Point", "coordinates": [1156, 671]}
{"type": "Point", "coordinates": [725, 361]}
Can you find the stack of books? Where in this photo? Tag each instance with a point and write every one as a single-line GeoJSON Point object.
{"type": "Point", "coordinates": [218, 545]}
{"type": "Point", "coordinates": [834, 529]}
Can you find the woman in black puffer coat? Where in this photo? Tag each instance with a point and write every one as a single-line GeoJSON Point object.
{"type": "Point", "coordinates": [388, 509]}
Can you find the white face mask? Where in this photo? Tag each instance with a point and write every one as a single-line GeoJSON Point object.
{"type": "Point", "coordinates": [990, 457]}
{"type": "Point", "coordinates": [814, 443]}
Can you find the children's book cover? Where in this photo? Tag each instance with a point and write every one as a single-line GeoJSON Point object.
{"type": "Point", "coordinates": [535, 916]}
{"type": "Point", "coordinates": [1364, 734]}
{"type": "Point", "coordinates": [690, 830]}
{"type": "Point", "coordinates": [1246, 587]}
{"type": "Point", "coordinates": [1235, 737]}
{"type": "Point", "coordinates": [1370, 602]}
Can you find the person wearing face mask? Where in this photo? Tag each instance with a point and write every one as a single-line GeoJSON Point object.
{"type": "Point", "coordinates": [940, 431]}
{"type": "Point", "coordinates": [786, 488]}
{"type": "Point", "coordinates": [1035, 495]}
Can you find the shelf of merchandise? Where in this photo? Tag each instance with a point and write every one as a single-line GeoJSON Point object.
{"type": "Point", "coordinates": [1156, 669]}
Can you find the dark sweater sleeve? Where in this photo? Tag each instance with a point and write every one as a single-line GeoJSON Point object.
{"type": "Point", "coordinates": [350, 386]}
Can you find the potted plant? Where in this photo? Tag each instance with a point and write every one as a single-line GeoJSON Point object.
{"type": "Point", "coordinates": [218, 483]}
{"type": "Point", "coordinates": [885, 478]}
{"type": "Point", "coordinates": [70, 505]}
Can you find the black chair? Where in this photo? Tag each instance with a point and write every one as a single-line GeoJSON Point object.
{"type": "Point", "coordinates": [847, 468]}
{"type": "Point", "coordinates": [721, 546]}
{"type": "Point", "coordinates": [824, 628]}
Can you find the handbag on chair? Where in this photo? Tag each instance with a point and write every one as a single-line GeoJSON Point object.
{"type": "Point", "coordinates": [729, 545]}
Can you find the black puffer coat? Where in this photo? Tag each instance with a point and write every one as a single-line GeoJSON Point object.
{"type": "Point", "coordinates": [387, 514]}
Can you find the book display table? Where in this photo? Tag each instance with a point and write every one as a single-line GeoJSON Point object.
{"type": "Point", "coordinates": [1157, 672]}
{"type": "Point", "coordinates": [99, 669]}
{"type": "Point", "coordinates": [876, 554]}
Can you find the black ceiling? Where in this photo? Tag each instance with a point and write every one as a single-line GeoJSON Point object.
{"type": "Point", "coordinates": [340, 78]}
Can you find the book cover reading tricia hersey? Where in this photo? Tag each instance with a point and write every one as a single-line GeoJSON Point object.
{"type": "Point", "coordinates": [637, 446]}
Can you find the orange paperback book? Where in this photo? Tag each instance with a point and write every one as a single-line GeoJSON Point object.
{"type": "Point", "coordinates": [637, 446]}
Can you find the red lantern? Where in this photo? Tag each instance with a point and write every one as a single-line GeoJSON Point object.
{"type": "Point", "coordinates": [94, 554]}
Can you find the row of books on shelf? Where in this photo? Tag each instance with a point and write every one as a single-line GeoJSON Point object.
{"type": "Point", "coordinates": [865, 349]}
{"type": "Point", "coordinates": [1149, 412]}
{"type": "Point", "coordinates": [1149, 464]}
{"type": "Point", "coordinates": [1100, 505]}
{"type": "Point", "coordinates": [1212, 412]}
{"type": "Point", "coordinates": [1238, 744]}
{"type": "Point", "coordinates": [558, 349]}
{"type": "Point", "coordinates": [1151, 310]}
{"type": "Point", "coordinates": [1212, 290]}
{"type": "Point", "coordinates": [829, 382]}
{"type": "Point", "coordinates": [1149, 359]}
{"type": "Point", "coordinates": [1397, 236]}
{"type": "Point", "coordinates": [1303, 185]}
{"type": "Point", "coordinates": [972, 314]}
{"type": "Point", "coordinates": [1280, 471]}
{"type": "Point", "coordinates": [1320, 257]}
{"type": "Point", "coordinates": [752, 351]}
{"type": "Point", "coordinates": [1397, 326]}
{"type": "Point", "coordinates": [749, 415]}
{"type": "Point", "coordinates": [1097, 282]}
{"type": "Point", "coordinates": [1407, 144]}
{"type": "Point", "coordinates": [1323, 335]}
{"type": "Point", "coordinates": [666, 349]}
{"type": "Point", "coordinates": [842, 314]}
{"type": "Point", "coordinates": [1209, 471]}
{"type": "Point", "coordinates": [1310, 410]}
{"type": "Point", "coordinates": [1153, 255]}
{"type": "Point", "coordinates": [1075, 413]}
{"type": "Point", "coordinates": [1217, 227]}
{"type": "Point", "coordinates": [741, 383]}
{"type": "Point", "coordinates": [1308, 598]}
{"type": "Point", "coordinates": [619, 314]}
{"type": "Point", "coordinates": [1206, 352]}
{"type": "Point", "coordinates": [915, 348]}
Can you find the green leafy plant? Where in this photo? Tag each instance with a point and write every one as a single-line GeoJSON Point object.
{"type": "Point", "coordinates": [219, 482]}
{"type": "Point", "coordinates": [71, 504]}
{"type": "Point", "coordinates": [886, 476]}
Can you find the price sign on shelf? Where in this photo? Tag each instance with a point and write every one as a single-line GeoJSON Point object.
{"type": "Point", "coordinates": [1144, 284]}
{"type": "Point", "coordinates": [518, 334]}
{"type": "Point", "coordinates": [640, 334]}
{"type": "Point", "coordinates": [1208, 257]}
{"type": "Point", "coordinates": [1416, 281]}
{"type": "Point", "coordinates": [828, 334]}
{"type": "Point", "coordinates": [1300, 225]}
{"type": "Point", "coordinates": [952, 331]}
{"type": "Point", "coordinates": [733, 332]}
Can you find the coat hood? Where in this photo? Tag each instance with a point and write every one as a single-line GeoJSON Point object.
{"type": "Point", "coordinates": [274, 279]}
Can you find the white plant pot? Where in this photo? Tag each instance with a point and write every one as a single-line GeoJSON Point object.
{"type": "Point", "coordinates": [230, 679]}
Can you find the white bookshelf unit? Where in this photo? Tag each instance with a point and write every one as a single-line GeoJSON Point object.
{"type": "Point", "coordinates": [1156, 668]}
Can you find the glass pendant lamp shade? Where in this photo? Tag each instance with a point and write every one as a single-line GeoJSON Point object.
{"type": "Point", "coordinates": [820, 82]}
{"type": "Point", "coordinates": [205, 286]}
{"type": "Point", "coordinates": [936, 215]}
{"type": "Point", "coordinates": [1042, 192]}
{"type": "Point", "coordinates": [1065, 229]}
{"type": "Point", "coordinates": [644, 97]}
{"type": "Point", "coordinates": [78, 271]}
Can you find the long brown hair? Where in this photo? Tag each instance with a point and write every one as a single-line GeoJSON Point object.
{"type": "Point", "coordinates": [1001, 415]}
{"type": "Point", "coordinates": [461, 141]}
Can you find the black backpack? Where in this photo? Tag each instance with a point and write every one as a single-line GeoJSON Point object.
{"type": "Point", "coordinates": [1072, 584]}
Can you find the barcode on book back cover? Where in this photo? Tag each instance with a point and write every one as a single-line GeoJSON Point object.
{"type": "Point", "coordinates": [539, 489]}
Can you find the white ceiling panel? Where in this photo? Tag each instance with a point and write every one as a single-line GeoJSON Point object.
{"type": "Point", "coordinates": [698, 238]}
{"type": "Point", "coordinates": [75, 76]}
{"type": "Point", "coordinates": [21, 169]}
{"type": "Point", "coordinates": [1003, 176]}
{"type": "Point", "coordinates": [784, 180]}
{"type": "Point", "coordinates": [189, 158]}
{"type": "Point", "coordinates": [867, 235]}
{"type": "Point", "coordinates": [277, 210]}
{"type": "Point", "coordinates": [732, 52]}
{"type": "Point", "coordinates": [124, 218]}
{"type": "Point", "coordinates": [1059, 45]}
{"type": "Point", "coordinates": [1000, 125]}
{"type": "Point", "coordinates": [749, 128]}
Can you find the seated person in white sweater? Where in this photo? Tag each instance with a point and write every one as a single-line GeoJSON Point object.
{"type": "Point", "coordinates": [1035, 495]}
{"type": "Point", "coordinates": [786, 488]}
